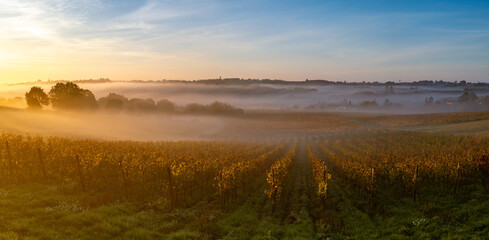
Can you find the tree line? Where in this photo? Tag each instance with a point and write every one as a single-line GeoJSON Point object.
{"type": "Point", "coordinates": [69, 96]}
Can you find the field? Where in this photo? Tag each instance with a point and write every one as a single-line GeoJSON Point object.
{"type": "Point", "coordinates": [477, 128]}
{"type": "Point", "coordinates": [311, 176]}
{"type": "Point", "coordinates": [244, 120]}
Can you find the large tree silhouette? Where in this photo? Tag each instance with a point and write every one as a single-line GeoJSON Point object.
{"type": "Point", "coordinates": [70, 96]}
{"type": "Point", "coordinates": [36, 98]}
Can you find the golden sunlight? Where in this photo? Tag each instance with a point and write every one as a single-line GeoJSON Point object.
{"type": "Point", "coordinates": [163, 119]}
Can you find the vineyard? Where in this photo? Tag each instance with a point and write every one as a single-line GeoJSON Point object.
{"type": "Point", "coordinates": [180, 171]}
{"type": "Point", "coordinates": [363, 184]}
{"type": "Point", "coordinates": [405, 160]}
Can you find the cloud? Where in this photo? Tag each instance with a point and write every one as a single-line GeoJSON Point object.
{"type": "Point", "coordinates": [195, 39]}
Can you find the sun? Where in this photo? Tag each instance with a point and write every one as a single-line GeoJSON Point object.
{"type": "Point", "coordinates": [34, 31]}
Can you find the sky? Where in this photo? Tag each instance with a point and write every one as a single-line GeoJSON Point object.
{"type": "Point", "coordinates": [344, 40]}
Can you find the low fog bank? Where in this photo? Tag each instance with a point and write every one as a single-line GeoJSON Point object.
{"type": "Point", "coordinates": [105, 126]}
{"type": "Point", "coordinates": [308, 96]}
{"type": "Point", "coordinates": [253, 126]}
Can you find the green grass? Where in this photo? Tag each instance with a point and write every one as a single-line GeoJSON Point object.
{"type": "Point", "coordinates": [449, 216]}
{"type": "Point", "coordinates": [43, 212]}
{"type": "Point", "coordinates": [254, 220]}
{"type": "Point", "coordinates": [36, 211]}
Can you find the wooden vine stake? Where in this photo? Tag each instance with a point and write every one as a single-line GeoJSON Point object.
{"type": "Point", "coordinates": [372, 186]}
{"type": "Point", "coordinates": [325, 180]}
{"type": "Point", "coordinates": [274, 191]}
{"type": "Point", "coordinates": [171, 186]}
{"type": "Point", "coordinates": [457, 179]}
{"type": "Point", "coordinates": [41, 162]}
{"type": "Point", "coordinates": [219, 181]}
{"type": "Point", "coordinates": [415, 180]}
{"type": "Point", "coordinates": [125, 183]}
{"type": "Point", "coordinates": [80, 173]}
{"type": "Point", "coordinates": [10, 163]}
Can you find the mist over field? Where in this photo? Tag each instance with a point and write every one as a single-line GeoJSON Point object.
{"type": "Point", "coordinates": [311, 96]}
{"type": "Point", "coordinates": [206, 120]}
{"type": "Point", "coordinates": [105, 126]}
{"type": "Point", "coordinates": [259, 108]}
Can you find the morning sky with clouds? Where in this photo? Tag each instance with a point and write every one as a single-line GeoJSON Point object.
{"type": "Point", "coordinates": [291, 40]}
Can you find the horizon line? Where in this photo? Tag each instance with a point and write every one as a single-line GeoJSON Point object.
{"type": "Point", "coordinates": [101, 80]}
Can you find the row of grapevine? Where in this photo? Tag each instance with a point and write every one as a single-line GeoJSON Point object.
{"type": "Point", "coordinates": [350, 167]}
{"type": "Point", "coordinates": [277, 174]}
{"type": "Point", "coordinates": [406, 159]}
{"type": "Point", "coordinates": [320, 173]}
{"type": "Point", "coordinates": [183, 172]}
{"type": "Point", "coordinates": [236, 177]}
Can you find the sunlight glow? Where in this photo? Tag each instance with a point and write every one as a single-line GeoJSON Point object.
{"type": "Point", "coordinates": [61, 39]}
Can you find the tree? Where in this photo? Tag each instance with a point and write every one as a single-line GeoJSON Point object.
{"type": "Point", "coordinates": [36, 98]}
{"type": "Point", "coordinates": [114, 105]}
{"type": "Point", "coordinates": [372, 103]}
{"type": "Point", "coordinates": [113, 102]}
{"type": "Point", "coordinates": [195, 108]}
{"type": "Point", "coordinates": [467, 97]}
{"type": "Point", "coordinates": [165, 106]}
{"type": "Point", "coordinates": [70, 96]}
{"type": "Point", "coordinates": [223, 108]}
{"type": "Point", "coordinates": [216, 108]}
{"type": "Point", "coordinates": [142, 105]}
